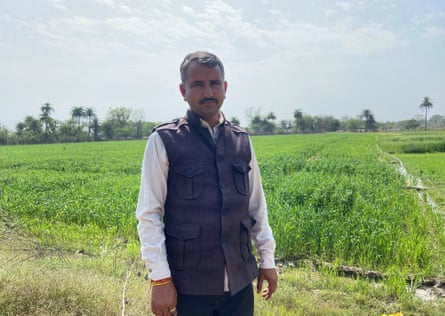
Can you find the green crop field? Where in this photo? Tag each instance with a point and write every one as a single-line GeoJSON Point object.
{"type": "Point", "coordinates": [86, 187]}
{"type": "Point", "coordinates": [334, 200]}
{"type": "Point", "coordinates": [423, 154]}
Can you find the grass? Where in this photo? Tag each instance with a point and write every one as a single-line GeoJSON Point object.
{"type": "Point", "coordinates": [430, 168]}
{"type": "Point", "coordinates": [36, 280]}
{"type": "Point", "coordinates": [331, 197]}
{"type": "Point", "coordinates": [74, 284]}
{"type": "Point", "coordinates": [413, 142]}
{"type": "Point", "coordinates": [69, 244]}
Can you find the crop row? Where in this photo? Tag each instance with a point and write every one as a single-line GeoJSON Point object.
{"type": "Point", "coordinates": [330, 197]}
{"type": "Point", "coordinates": [334, 198]}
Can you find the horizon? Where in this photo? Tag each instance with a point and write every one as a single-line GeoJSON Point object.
{"type": "Point", "coordinates": [418, 117]}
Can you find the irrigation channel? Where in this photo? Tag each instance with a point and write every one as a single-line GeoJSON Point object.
{"type": "Point", "coordinates": [429, 290]}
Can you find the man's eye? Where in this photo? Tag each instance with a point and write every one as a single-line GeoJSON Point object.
{"type": "Point", "coordinates": [196, 84]}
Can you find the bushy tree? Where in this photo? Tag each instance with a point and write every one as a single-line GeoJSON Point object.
{"type": "Point", "coordinates": [286, 125]}
{"type": "Point", "coordinates": [261, 124]}
{"type": "Point", "coordinates": [29, 131]}
{"type": "Point", "coordinates": [327, 123]}
{"type": "Point", "coordinates": [411, 124]}
{"type": "Point", "coordinates": [235, 121]}
{"type": "Point", "coordinates": [117, 124]}
{"type": "Point", "coordinates": [437, 121]}
{"type": "Point", "coordinates": [353, 124]}
{"type": "Point", "coordinates": [4, 135]}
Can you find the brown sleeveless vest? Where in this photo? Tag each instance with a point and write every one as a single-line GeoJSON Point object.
{"type": "Point", "coordinates": [207, 226]}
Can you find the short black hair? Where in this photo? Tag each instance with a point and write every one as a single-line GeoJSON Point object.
{"type": "Point", "coordinates": [202, 57]}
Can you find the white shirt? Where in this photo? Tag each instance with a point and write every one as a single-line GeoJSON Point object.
{"type": "Point", "coordinates": [150, 209]}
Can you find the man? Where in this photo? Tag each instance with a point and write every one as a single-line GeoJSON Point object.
{"type": "Point", "coordinates": [200, 203]}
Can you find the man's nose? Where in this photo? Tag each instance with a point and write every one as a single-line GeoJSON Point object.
{"type": "Point", "coordinates": [208, 91]}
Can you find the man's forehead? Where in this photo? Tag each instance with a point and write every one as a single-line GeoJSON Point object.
{"type": "Point", "coordinates": [197, 70]}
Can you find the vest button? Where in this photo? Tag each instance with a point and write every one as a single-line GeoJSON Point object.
{"type": "Point", "coordinates": [224, 211]}
{"type": "Point", "coordinates": [221, 186]}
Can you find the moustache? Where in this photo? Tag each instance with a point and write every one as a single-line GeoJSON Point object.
{"type": "Point", "coordinates": [208, 100]}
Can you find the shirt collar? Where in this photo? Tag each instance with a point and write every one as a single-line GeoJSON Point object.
{"type": "Point", "coordinates": [221, 120]}
{"type": "Point", "coordinates": [214, 131]}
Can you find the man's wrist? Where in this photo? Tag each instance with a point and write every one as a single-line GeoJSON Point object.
{"type": "Point", "coordinates": [161, 281]}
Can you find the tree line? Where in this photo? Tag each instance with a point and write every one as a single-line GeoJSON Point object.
{"type": "Point", "coordinates": [84, 125]}
{"type": "Point", "coordinates": [123, 123]}
{"type": "Point", "coordinates": [363, 122]}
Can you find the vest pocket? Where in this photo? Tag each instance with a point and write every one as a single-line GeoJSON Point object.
{"type": "Point", "coordinates": [247, 223]}
{"type": "Point", "coordinates": [189, 181]}
{"type": "Point", "coordinates": [183, 246]}
{"type": "Point", "coordinates": [241, 177]}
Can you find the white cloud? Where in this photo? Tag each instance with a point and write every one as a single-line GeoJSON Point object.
{"type": "Point", "coordinates": [117, 5]}
{"type": "Point", "coordinates": [386, 5]}
{"type": "Point", "coordinates": [346, 6]}
{"type": "Point", "coordinates": [217, 25]}
{"type": "Point", "coordinates": [58, 4]}
{"type": "Point", "coordinates": [432, 32]}
{"type": "Point", "coordinates": [6, 18]}
{"type": "Point", "coordinates": [330, 12]}
{"type": "Point", "coordinates": [427, 18]}
{"type": "Point", "coordinates": [336, 38]}
{"type": "Point", "coordinates": [134, 25]}
{"type": "Point", "coordinates": [188, 10]}
{"type": "Point", "coordinates": [125, 8]}
{"type": "Point", "coordinates": [75, 24]}
{"type": "Point", "coordinates": [368, 39]}
{"type": "Point", "coordinates": [4, 45]}
{"type": "Point", "coordinates": [109, 3]}
{"type": "Point", "coordinates": [221, 25]}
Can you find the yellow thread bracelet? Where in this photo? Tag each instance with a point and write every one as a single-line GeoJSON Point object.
{"type": "Point", "coordinates": [161, 282]}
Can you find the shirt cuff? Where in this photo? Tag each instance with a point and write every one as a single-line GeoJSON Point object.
{"type": "Point", "coordinates": [159, 271]}
{"type": "Point", "coordinates": [267, 261]}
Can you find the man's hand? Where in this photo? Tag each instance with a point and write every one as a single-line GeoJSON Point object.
{"type": "Point", "coordinates": [163, 300]}
{"type": "Point", "coordinates": [271, 276]}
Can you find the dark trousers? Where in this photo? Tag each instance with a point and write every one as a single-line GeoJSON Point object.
{"type": "Point", "coordinates": [240, 304]}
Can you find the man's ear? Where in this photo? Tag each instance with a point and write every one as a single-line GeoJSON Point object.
{"type": "Point", "coordinates": [182, 90]}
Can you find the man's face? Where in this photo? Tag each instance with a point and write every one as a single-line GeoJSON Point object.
{"type": "Point", "coordinates": [204, 90]}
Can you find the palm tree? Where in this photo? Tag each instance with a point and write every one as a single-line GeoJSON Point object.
{"type": "Point", "coordinates": [77, 113]}
{"type": "Point", "coordinates": [95, 127]}
{"type": "Point", "coordinates": [370, 123]}
{"type": "Point", "coordinates": [45, 117]}
{"type": "Point", "coordinates": [89, 113]}
{"type": "Point", "coordinates": [298, 115]}
{"type": "Point", "coordinates": [426, 105]}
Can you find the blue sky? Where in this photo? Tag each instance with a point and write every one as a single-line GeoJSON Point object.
{"type": "Point", "coordinates": [323, 57]}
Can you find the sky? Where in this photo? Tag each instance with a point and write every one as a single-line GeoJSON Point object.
{"type": "Point", "coordinates": [321, 57]}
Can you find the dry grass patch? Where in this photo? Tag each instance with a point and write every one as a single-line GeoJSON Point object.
{"type": "Point", "coordinates": [47, 287]}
